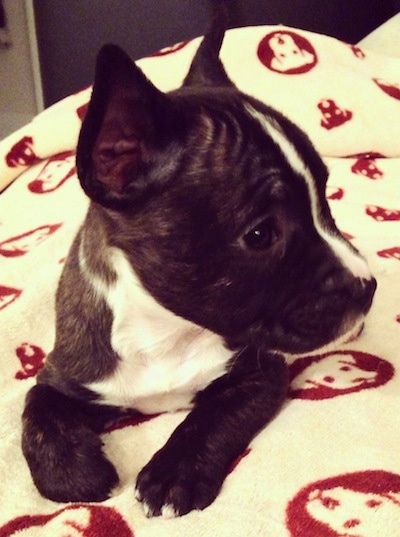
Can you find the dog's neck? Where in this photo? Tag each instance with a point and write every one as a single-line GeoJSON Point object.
{"type": "Point", "coordinates": [156, 347]}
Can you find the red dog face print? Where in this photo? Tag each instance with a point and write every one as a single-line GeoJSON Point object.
{"type": "Point", "coordinates": [390, 253]}
{"type": "Point", "coordinates": [8, 295]}
{"type": "Point", "coordinates": [358, 504]}
{"type": "Point", "coordinates": [22, 244]}
{"type": "Point", "coordinates": [380, 214]}
{"type": "Point", "coordinates": [170, 50]}
{"type": "Point", "coordinates": [82, 111]}
{"type": "Point", "coordinates": [357, 51]}
{"type": "Point", "coordinates": [287, 52]}
{"type": "Point", "coordinates": [367, 167]}
{"type": "Point", "coordinates": [238, 460]}
{"type": "Point", "coordinates": [130, 420]}
{"type": "Point", "coordinates": [337, 373]}
{"type": "Point", "coordinates": [333, 115]}
{"type": "Point", "coordinates": [72, 521]}
{"type": "Point", "coordinates": [390, 88]}
{"type": "Point", "coordinates": [32, 360]}
{"type": "Point", "coordinates": [334, 193]}
{"type": "Point", "coordinates": [55, 172]}
{"type": "Point", "coordinates": [22, 153]}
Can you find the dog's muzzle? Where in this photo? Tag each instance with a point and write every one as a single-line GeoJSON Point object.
{"type": "Point", "coordinates": [321, 315]}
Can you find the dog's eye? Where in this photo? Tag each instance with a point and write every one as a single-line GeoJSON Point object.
{"type": "Point", "coordinates": [262, 236]}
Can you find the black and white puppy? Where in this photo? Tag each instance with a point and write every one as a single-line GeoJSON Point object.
{"type": "Point", "coordinates": [208, 249]}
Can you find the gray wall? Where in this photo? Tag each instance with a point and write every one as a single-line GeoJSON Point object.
{"type": "Point", "coordinates": [18, 99]}
{"type": "Point", "coordinates": [70, 32]}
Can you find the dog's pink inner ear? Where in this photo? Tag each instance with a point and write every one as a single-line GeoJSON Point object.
{"type": "Point", "coordinates": [120, 129]}
{"type": "Point", "coordinates": [117, 163]}
{"type": "Point", "coordinates": [117, 151]}
{"type": "Point", "coordinates": [116, 156]}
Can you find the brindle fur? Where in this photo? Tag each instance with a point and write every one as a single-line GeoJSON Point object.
{"type": "Point", "coordinates": [178, 181]}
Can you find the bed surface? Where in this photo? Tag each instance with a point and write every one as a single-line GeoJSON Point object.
{"type": "Point", "coordinates": [329, 464]}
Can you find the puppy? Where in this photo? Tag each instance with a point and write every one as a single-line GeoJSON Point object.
{"type": "Point", "coordinates": [207, 251]}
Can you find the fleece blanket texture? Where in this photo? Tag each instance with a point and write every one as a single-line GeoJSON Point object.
{"type": "Point", "coordinates": [329, 463]}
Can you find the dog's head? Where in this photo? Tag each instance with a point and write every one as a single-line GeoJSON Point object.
{"type": "Point", "coordinates": [219, 203]}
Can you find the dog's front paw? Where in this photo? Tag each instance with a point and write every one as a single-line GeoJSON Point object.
{"type": "Point", "coordinates": [64, 454]}
{"type": "Point", "coordinates": [71, 468]}
{"type": "Point", "coordinates": [171, 485]}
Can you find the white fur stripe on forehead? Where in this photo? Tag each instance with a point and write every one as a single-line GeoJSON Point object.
{"type": "Point", "coordinates": [348, 257]}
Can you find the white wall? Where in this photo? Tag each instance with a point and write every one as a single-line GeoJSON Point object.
{"type": "Point", "coordinates": [20, 94]}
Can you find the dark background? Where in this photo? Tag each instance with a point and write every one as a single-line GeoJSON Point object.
{"type": "Point", "coordinates": [70, 32]}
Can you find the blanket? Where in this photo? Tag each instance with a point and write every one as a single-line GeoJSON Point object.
{"type": "Point", "coordinates": [329, 463]}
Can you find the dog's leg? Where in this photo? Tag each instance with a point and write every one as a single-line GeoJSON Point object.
{"type": "Point", "coordinates": [62, 446]}
{"type": "Point", "coordinates": [188, 472]}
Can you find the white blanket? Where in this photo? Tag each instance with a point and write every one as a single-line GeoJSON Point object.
{"type": "Point", "coordinates": [329, 464]}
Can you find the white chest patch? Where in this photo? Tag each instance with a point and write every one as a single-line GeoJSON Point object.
{"type": "Point", "coordinates": [164, 359]}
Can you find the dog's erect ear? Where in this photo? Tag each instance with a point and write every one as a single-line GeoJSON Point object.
{"type": "Point", "coordinates": [206, 68]}
{"type": "Point", "coordinates": [127, 121]}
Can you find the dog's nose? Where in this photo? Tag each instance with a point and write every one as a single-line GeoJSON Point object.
{"type": "Point", "coordinates": [359, 291]}
{"type": "Point", "coordinates": [368, 290]}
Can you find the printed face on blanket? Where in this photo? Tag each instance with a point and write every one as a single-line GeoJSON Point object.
{"type": "Point", "coordinates": [73, 521]}
{"type": "Point", "coordinates": [350, 505]}
{"type": "Point", "coordinates": [22, 244]}
{"type": "Point", "coordinates": [53, 174]}
{"type": "Point", "coordinates": [287, 52]}
{"type": "Point", "coordinates": [337, 373]}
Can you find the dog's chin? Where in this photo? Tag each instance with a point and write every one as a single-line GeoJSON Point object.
{"type": "Point", "coordinates": [347, 336]}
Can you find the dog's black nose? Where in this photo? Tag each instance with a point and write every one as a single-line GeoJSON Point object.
{"type": "Point", "coordinates": [348, 290]}
{"type": "Point", "coordinates": [368, 288]}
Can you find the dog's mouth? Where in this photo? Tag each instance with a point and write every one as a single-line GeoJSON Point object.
{"type": "Point", "coordinates": [352, 334]}
{"type": "Point", "coordinates": [355, 333]}
{"type": "Point", "coordinates": [336, 319]}
{"type": "Point", "coordinates": [310, 324]}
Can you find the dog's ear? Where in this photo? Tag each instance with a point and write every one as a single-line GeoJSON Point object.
{"type": "Point", "coordinates": [206, 68]}
{"type": "Point", "coordinates": [127, 122]}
